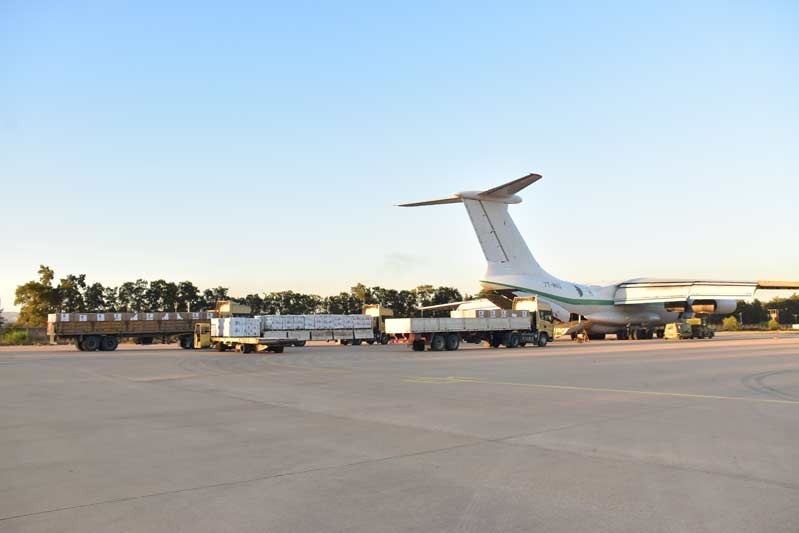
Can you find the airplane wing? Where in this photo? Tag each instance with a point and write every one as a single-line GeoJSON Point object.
{"type": "Point", "coordinates": [645, 291]}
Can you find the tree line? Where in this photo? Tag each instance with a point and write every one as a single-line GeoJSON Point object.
{"type": "Point", "coordinates": [73, 294]}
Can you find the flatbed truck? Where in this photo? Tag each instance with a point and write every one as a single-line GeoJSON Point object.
{"type": "Point", "coordinates": [529, 322]}
{"type": "Point", "coordinates": [102, 331]}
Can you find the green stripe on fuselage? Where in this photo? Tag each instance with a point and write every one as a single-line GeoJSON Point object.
{"type": "Point", "coordinates": [573, 301]}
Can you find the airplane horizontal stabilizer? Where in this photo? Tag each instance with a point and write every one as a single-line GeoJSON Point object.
{"type": "Point", "coordinates": [450, 200]}
{"type": "Point", "coordinates": [512, 187]}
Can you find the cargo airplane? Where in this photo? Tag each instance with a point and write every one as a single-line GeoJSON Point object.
{"type": "Point", "coordinates": [635, 308]}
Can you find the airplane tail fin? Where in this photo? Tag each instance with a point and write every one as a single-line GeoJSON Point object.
{"type": "Point", "coordinates": [503, 246]}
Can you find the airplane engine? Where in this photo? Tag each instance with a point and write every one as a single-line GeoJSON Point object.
{"type": "Point", "coordinates": [716, 307]}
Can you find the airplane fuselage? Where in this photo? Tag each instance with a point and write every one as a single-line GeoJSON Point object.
{"type": "Point", "coordinates": [594, 302]}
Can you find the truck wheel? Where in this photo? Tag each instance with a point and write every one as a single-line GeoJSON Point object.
{"type": "Point", "coordinates": [384, 338]}
{"type": "Point", "coordinates": [453, 342]}
{"type": "Point", "coordinates": [187, 343]}
{"type": "Point", "coordinates": [219, 347]}
{"type": "Point", "coordinates": [78, 344]}
{"type": "Point", "coordinates": [417, 346]}
{"type": "Point", "coordinates": [276, 349]}
{"type": "Point", "coordinates": [370, 342]}
{"type": "Point", "coordinates": [438, 343]}
{"type": "Point", "coordinates": [299, 344]}
{"type": "Point", "coordinates": [344, 342]}
{"type": "Point", "coordinates": [496, 340]}
{"type": "Point", "coordinates": [246, 348]}
{"type": "Point", "coordinates": [357, 342]}
{"type": "Point", "coordinates": [108, 343]}
{"type": "Point", "coordinates": [543, 339]}
{"type": "Point", "coordinates": [513, 340]}
{"type": "Point", "coordinates": [90, 343]}
{"type": "Point", "coordinates": [146, 340]}
{"type": "Point", "coordinates": [661, 333]}
{"type": "Point", "coordinates": [522, 344]}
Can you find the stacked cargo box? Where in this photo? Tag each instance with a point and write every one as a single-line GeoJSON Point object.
{"type": "Point", "coordinates": [312, 322]}
{"type": "Point", "coordinates": [235, 327]}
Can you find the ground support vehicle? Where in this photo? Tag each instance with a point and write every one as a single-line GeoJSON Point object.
{"type": "Point", "coordinates": [379, 315]}
{"type": "Point", "coordinates": [678, 330]}
{"type": "Point", "coordinates": [439, 334]}
{"type": "Point", "coordinates": [700, 329]}
{"type": "Point", "coordinates": [102, 331]}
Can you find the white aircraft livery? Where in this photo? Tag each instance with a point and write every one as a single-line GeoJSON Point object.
{"type": "Point", "coordinates": [638, 306]}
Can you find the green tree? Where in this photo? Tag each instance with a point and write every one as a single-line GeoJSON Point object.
{"type": "Point", "coordinates": [110, 298]}
{"type": "Point", "coordinates": [37, 299]}
{"type": "Point", "coordinates": [70, 290]}
{"type": "Point", "coordinates": [773, 325]}
{"type": "Point", "coordinates": [731, 324]}
{"type": "Point", "coordinates": [211, 296]}
{"type": "Point", "coordinates": [752, 312]}
{"type": "Point", "coordinates": [343, 304]}
{"type": "Point", "coordinates": [94, 298]}
{"type": "Point", "coordinates": [363, 294]}
{"type": "Point", "coordinates": [188, 297]}
{"type": "Point", "coordinates": [2, 318]}
{"type": "Point", "coordinates": [131, 295]}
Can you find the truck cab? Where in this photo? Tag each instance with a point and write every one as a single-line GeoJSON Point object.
{"type": "Point", "coordinates": [542, 321]}
{"type": "Point", "coordinates": [379, 315]}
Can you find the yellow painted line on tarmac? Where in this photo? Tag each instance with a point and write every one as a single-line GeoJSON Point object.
{"type": "Point", "coordinates": [458, 379]}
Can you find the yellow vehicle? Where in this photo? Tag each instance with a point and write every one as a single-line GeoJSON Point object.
{"type": "Point", "coordinates": [379, 315]}
{"type": "Point", "coordinates": [700, 329]}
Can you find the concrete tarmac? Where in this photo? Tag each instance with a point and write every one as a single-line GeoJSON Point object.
{"type": "Point", "coordinates": [621, 436]}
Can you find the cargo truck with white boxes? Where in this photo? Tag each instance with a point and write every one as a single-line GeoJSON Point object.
{"type": "Point", "coordinates": [528, 322]}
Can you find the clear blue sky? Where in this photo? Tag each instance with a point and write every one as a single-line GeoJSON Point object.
{"type": "Point", "coordinates": [261, 146]}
